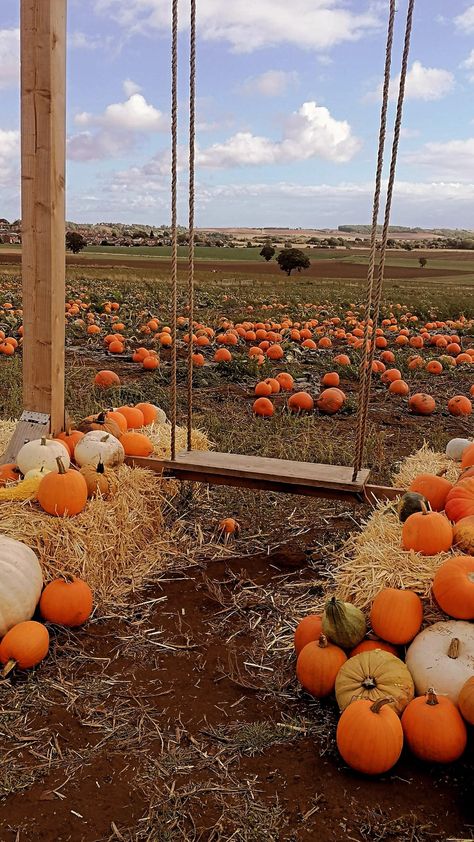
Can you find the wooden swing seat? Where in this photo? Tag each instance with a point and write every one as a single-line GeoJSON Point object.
{"type": "Point", "coordinates": [279, 475]}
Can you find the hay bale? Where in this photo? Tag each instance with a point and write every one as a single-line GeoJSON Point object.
{"type": "Point", "coordinates": [118, 542]}
{"type": "Point", "coordinates": [425, 461]}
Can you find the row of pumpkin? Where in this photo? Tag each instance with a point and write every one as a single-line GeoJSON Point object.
{"type": "Point", "coordinates": [99, 443]}
{"type": "Point", "coordinates": [374, 687]}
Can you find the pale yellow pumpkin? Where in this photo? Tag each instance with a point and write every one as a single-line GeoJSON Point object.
{"type": "Point", "coordinates": [374, 675]}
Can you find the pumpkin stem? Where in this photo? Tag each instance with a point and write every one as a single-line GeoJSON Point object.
{"type": "Point", "coordinates": [431, 697]}
{"type": "Point", "coordinates": [442, 472]}
{"type": "Point", "coordinates": [424, 508]}
{"type": "Point", "coordinates": [61, 468]}
{"type": "Point", "coordinates": [376, 707]}
{"type": "Point", "coordinates": [369, 683]}
{"type": "Point", "coordinates": [453, 651]}
{"type": "Point", "coordinates": [9, 666]}
{"type": "Point", "coordinates": [323, 641]}
{"type": "Point", "coordinates": [101, 418]}
{"type": "Point", "coordinates": [105, 438]}
{"type": "Point", "coordinates": [43, 441]}
{"type": "Point", "coordinates": [100, 468]}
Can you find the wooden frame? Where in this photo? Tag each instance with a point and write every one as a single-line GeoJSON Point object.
{"type": "Point", "coordinates": [43, 176]}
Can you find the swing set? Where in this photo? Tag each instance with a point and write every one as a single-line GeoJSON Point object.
{"type": "Point", "coordinates": [43, 134]}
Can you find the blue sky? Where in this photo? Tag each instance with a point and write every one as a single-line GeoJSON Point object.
{"type": "Point", "coordinates": [288, 112]}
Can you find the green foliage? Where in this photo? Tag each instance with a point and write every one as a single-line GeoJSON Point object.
{"type": "Point", "coordinates": [75, 242]}
{"type": "Point", "coordinates": [290, 259]}
{"type": "Point", "coordinates": [268, 251]}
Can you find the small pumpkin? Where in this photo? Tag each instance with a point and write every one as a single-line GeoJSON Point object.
{"type": "Point", "coordinates": [453, 587]}
{"type": "Point", "coordinates": [456, 447]}
{"type": "Point", "coordinates": [62, 493]}
{"type": "Point", "coordinates": [463, 535]}
{"type": "Point", "coordinates": [66, 602]}
{"type": "Point", "coordinates": [370, 645]}
{"type": "Point", "coordinates": [467, 458]}
{"type": "Point", "coordinates": [343, 623]}
{"type": "Point", "coordinates": [369, 736]}
{"type": "Point", "coordinates": [136, 444]}
{"type": "Point", "coordinates": [396, 615]}
{"type": "Point", "coordinates": [42, 453]}
{"type": "Point", "coordinates": [98, 446]}
{"type": "Point", "coordinates": [308, 629]}
{"type": "Point", "coordinates": [331, 400]}
{"type": "Point", "coordinates": [21, 582]}
{"type": "Point", "coordinates": [410, 503]}
{"type": "Point", "coordinates": [9, 473]}
{"type": "Point", "coordinates": [96, 479]}
{"type": "Point", "coordinates": [433, 728]}
{"type": "Point", "coordinates": [435, 487]}
{"type": "Point", "coordinates": [428, 533]}
{"type": "Point", "coordinates": [102, 423]}
{"type": "Point", "coordinates": [466, 700]}
{"type": "Point", "coordinates": [133, 415]}
{"type": "Point", "coordinates": [25, 645]}
{"type": "Point", "coordinates": [318, 665]}
{"type": "Point", "coordinates": [228, 526]}
{"type": "Point", "coordinates": [374, 675]}
{"type": "Point", "coordinates": [442, 656]}
{"type": "Point", "coordinates": [70, 438]}
{"type": "Point", "coordinates": [460, 501]}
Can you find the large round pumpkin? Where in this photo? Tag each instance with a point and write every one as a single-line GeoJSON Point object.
{"type": "Point", "coordinates": [42, 453]}
{"type": "Point", "coordinates": [370, 736]}
{"type": "Point", "coordinates": [21, 582]}
{"type": "Point", "coordinates": [433, 729]}
{"type": "Point", "coordinates": [96, 447]}
{"type": "Point", "coordinates": [64, 493]}
{"type": "Point", "coordinates": [66, 603]}
{"type": "Point", "coordinates": [453, 587]}
{"type": "Point", "coordinates": [442, 657]}
{"type": "Point", "coordinates": [308, 629]}
{"type": "Point", "coordinates": [317, 666]}
{"type": "Point", "coordinates": [463, 535]}
{"type": "Point", "coordinates": [460, 500]}
{"type": "Point", "coordinates": [396, 615]}
{"type": "Point", "coordinates": [25, 645]}
{"type": "Point", "coordinates": [101, 423]}
{"type": "Point", "coordinates": [456, 447]}
{"type": "Point", "coordinates": [434, 487]}
{"type": "Point", "coordinates": [374, 675]}
{"type": "Point", "coordinates": [428, 533]}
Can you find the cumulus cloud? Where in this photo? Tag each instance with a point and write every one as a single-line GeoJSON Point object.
{"type": "Point", "coordinates": [423, 83]}
{"type": "Point", "coordinates": [9, 58]}
{"type": "Point", "coordinates": [272, 83]}
{"type": "Point", "coordinates": [118, 128]}
{"type": "Point", "coordinates": [311, 132]}
{"type": "Point", "coordinates": [468, 65]}
{"type": "Point", "coordinates": [465, 21]}
{"type": "Point", "coordinates": [453, 158]}
{"type": "Point", "coordinates": [130, 87]}
{"type": "Point", "coordinates": [82, 41]}
{"type": "Point", "coordinates": [308, 24]}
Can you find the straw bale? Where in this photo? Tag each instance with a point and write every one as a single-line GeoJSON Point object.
{"type": "Point", "coordinates": [426, 461]}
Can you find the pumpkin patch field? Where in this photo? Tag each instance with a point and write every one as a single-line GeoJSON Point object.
{"type": "Point", "coordinates": [187, 662]}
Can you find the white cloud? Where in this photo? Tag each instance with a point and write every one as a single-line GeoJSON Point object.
{"type": "Point", "coordinates": [309, 133]}
{"type": "Point", "coordinates": [308, 24]}
{"type": "Point", "coordinates": [424, 83]}
{"type": "Point", "coordinates": [409, 133]}
{"type": "Point", "coordinates": [468, 65]}
{"type": "Point", "coordinates": [9, 58]}
{"type": "Point", "coordinates": [82, 41]}
{"type": "Point", "coordinates": [271, 83]}
{"type": "Point", "coordinates": [465, 21]}
{"type": "Point", "coordinates": [130, 88]}
{"type": "Point", "coordinates": [453, 158]}
{"type": "Point", "coordinates": [118, 128]}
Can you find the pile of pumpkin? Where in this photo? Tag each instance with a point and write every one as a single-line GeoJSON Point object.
{"type": "Point", "coordinates": [64, 472]}
{"type": "Point", "coordinates": [329, 401]}
{"type": "Point", "coordinates": [375, 689]}
{"type": "Point", "coordinates": [63, 602]}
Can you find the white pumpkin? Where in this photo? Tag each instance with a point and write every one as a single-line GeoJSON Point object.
{"type": "Point", "coordinates": [98, 446]}
{"type": "Point", "coordinates": [21, 583]}
{"type": "Point", "coordinates": [37, 473]}
{"type": "Point", "coordinates": [442, 657]}
{"type": "Point", "coordinates": [42, 453]}
{"type": "Point", "coordinates": [456, 447]}
{"type": "Point", "coordinates": [160, 415]}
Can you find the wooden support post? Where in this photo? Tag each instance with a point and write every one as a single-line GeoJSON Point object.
{"type": "Point", "coordinates": [43, 136]}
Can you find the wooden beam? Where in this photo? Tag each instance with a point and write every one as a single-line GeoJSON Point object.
{"type": "Point", "coordinates": [43, 137]}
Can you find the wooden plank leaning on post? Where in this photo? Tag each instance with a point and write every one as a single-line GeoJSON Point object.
{"type": "Point", "coordinates": [43, 135]}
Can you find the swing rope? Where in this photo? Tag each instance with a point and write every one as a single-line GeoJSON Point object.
{"type": "Point", "coordinates": [174, 226]}
{"type": "Point", "coordinates": [191, 223]}
{"type": "Point", "coordinates": [374, 292]}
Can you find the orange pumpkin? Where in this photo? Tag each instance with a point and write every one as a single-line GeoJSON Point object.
{"type": "Point", "coordinates": [136, 444]}
{"type": "Point", "coordinates": [434, 367]}
{"type": "Point", "coordinates": [460, 500]}
{"type": "Point", "coordinates": [263, 389]}
{"type": "Point", "coordinates": [66, 603]}
{"type": "Point", "coordinates": [434, 487]}
{"type": "Point", "coordinates": [133, 416]}
{"type": "Point", "coordinates": [263, 407]}
{"type": "Point", "coordinates": [428, 533]}
{"type": "Point", "coordinates": [70, 439]}
{"type": "Point", "coordinates": [422, 404]}
{"type": "Point", "coordinates": [222, 355]}
{"type": "Point", "coordinates": [396, 615]}
{"type": "Point", "coordinates": [453, 587]}
{"type": "Point", "coordinates": [300, 402]}
{"type": "Point", "coordinates": [62, 493]}
{"type": "Point", "coordinates": [467, 459]}
{"type": "Point", "coordinates": [369, 736]}
{"type": "Point", "coordinates": [118, 418]}
{"type": "Point", "coordinates": [460, 405]}
{"type": "Point", "coordinates": [463, 535]}
{"type": "Point", "coordinates": [310, 628]}
{"type": "Point", "coordinates": [331, 400]}
{"type": "Point", "coordinates": [25, 645]}
{"type": "Point", "coordinates": [370, 645]}
{"type": "Point", "coordinates": [149, 412]}
{"type": "Point", "coordinates": [433, 728]}
{"type": "Point", "coordinates": [466, 701]}
{"type": "Point", "coordinates": [390, 375]}
{"type": "Point", "coordinates": [9, 473]}
{"type": "Point", "coordinates": [318, 665]}
{"type": "Point", "coordinates": [331, 379]}
{"type": "Point", "coordinates": [286, 381]}
{"type": "Point", "coordinates": [105, 379]}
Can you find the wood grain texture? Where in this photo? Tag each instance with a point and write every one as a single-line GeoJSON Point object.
{"type": "Point", "coordinates": [43, 109]}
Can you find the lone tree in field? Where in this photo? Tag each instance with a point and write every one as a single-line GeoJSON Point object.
{"type": "Point", "coordinates": [290, 259]}
{"type": "Point", "coordinates": [422, 261]}
{"type": "Point", "coordinates": [267, 251]}
{"type": "Point", "coordinates": [75, 242]}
